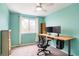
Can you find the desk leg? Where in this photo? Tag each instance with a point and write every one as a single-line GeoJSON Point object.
{"type": "Point", "coordinates": [69, 47]}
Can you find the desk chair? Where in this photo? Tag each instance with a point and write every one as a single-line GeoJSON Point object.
{"type": "Point", "coordinates": [43, 44]}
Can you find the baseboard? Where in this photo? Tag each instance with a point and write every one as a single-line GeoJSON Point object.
{"type": "Point", "coordinates": [24, 45]}
{"type": "Point", "coordinates": [28, 44]}
{"type": "Point", "coordinates": [14, 46]}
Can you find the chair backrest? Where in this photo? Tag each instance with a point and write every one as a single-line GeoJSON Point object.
{"type": "Point", "coordinates": [42, 42]}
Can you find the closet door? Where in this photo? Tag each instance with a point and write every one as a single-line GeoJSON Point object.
{"type": "Point", "coordinates": [6, 44]}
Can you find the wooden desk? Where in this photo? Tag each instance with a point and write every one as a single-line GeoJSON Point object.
{"type": "Point", "coordinates": [65, 38]}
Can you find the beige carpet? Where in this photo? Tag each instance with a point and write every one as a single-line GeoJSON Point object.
{"type": "Point", "coordinates": [32, 50]}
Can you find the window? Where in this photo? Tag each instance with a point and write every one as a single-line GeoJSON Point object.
{"type": "Point", "coordinates": [32, 26]}
{"type": "Point", "coordinates": [28, 25]}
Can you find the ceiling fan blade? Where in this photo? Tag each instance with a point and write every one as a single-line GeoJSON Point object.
{"type": "Point", "coordinates": [44, 10]}
{"type": "Point", "coordinates": [38, 4]}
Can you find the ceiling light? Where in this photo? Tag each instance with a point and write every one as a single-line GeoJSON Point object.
{"type": "Point", "coordinates": [38, 8]}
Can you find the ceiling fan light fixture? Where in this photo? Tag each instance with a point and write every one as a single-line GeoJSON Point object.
{"type": "Point", "coordinates": [38, 8]}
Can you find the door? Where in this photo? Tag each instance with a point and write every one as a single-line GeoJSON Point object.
{"type": "Point", "coordinates": [6, 43]}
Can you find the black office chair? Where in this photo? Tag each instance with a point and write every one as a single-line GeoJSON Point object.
{"type": "Point", "coordinates": [43, 44]}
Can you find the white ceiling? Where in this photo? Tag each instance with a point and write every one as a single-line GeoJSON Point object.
{"type": "Point", "coordinates": [30, 8]}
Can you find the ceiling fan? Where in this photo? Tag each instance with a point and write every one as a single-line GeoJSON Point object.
{"type": "Point", "coordinates": [39, 7]}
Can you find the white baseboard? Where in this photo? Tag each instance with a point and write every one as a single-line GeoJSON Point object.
{"type": "Point", "coordinates": [14, 46]}
{"type": "Point", "coordinates": [28, 44]}
{"type": "Point", "coordinates": [24, 44]}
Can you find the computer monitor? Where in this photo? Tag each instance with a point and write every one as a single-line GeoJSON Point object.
{"type": "Point", "coordinates": [49, 29]}
{"type": "Point", "coordinates": [53, 29]}
{"type": "Point", "coordinates": [56, 29]}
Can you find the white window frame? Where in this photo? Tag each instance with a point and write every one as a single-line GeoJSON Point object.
{"type": "Point", "coordinates": [28, 28]}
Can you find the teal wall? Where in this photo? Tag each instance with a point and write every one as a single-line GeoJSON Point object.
{"type": "Point", "coordinates": [14, 26]}
{"type": "Point", "coordinates": [28, 38]}
{"type": "Point", "coordinates": [68, 19]}
{"type": "Point", "coordinates": [4, 19]}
